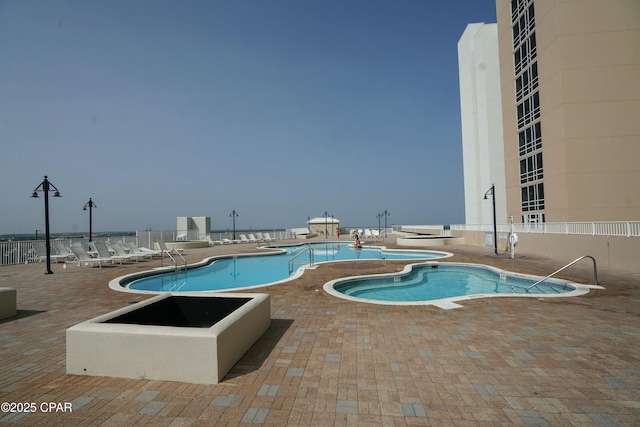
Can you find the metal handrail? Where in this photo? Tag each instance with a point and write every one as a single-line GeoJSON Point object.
{"type": "Point", "coordinates": [595, 271]}
{"type": "Point", "coordinates": [311, 257]}
{"type": "Point", "coordinates": [175, 262]}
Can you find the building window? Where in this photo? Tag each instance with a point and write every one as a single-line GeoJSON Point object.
{"type": "Point", "coordinates": [533, 197]}
{"type": "Point", "coordinates": [525, 54]}
{"type": "Point", "coordinates": [528, 110]}
{"type": "Point", "coordinates": [530, 139]}
{"type": "Point", "coordinates": [517, 7]}
{"type": "Point", "coordinates": [533, 219]}
{"type": "Point", "coordinates": [527, 82]}
{"type": "Point", "coordinates": [531, 168]}
{"type": "Point", "coordinates": [523, 26]}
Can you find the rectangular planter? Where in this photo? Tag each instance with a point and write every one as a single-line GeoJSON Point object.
{"type": "Point", "coordinates": [187, 337]}
{"type": "Point", "coordinates": [8, 299]}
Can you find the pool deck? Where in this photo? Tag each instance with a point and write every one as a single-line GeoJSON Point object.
{"type": "Point", "coordinates": [328, 361]}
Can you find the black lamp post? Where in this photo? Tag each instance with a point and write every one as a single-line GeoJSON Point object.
{"type": "Point", "coordinates": [233, 215]}
{"type": "Point", "coordinates": [326, 228]}
{"type": "Point", "coordinates": [90, 205]}
{"type": "Point", "coordinates": [385, 214]}
{"type": "Point", "coordinates": [492, 191]}
{"type": "Point", "coordinates": [379, 216]}
{"type": "Point", "coordinates": [45, 186]}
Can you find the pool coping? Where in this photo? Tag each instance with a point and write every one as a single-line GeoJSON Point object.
{"type": "Point", "coordinates": [453, 302]}
{"type": "Point", "coordinates": [116, 283]}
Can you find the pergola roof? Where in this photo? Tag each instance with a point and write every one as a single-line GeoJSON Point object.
{"type": "Point", "coordinates": [323, 220]}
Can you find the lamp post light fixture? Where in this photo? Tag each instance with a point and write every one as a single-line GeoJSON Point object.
{"type": "Point", "coordinates": [90, 205]}
{"type": "Point", "coordinates": [492, 191]}
{"type": "Point", "coordinates": [233, 215]}
{"type": "Point", "coordinates": [326, 228]}
{"type": "Point", "coordinates": [45, 186]}
{"type": "Point", "coordinates": [385, 214]}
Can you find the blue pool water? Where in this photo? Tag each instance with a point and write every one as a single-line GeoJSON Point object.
{"type": "Point", "coordinates": [436, 281]}
{"type": "Point", "coordinates": [247, 271]}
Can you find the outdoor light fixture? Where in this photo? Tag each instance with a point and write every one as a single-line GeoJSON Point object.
{"type": "Point", "coordinates": [492, 191]}
{"type": "Point", "coordinates": [385, 214]}
{"type": "Point", "coordinates": [45, 186]}
{"type": "Point", "coordinates": [233, 215]}
{"type": "Point", "coordinates": [326, 229]}
{"type": "Point", "coordinates": [90, 205]}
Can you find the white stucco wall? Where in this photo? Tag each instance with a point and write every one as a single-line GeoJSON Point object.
{"type": "Point", "coordinates": [481, 120]}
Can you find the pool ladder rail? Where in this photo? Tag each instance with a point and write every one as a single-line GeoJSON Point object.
{"type": "Point", "coordinates": [173, 260]}
{"type": "Point", "coordinates": [595, 271]}
{"type": "Point", "coordinates": [292, 261]}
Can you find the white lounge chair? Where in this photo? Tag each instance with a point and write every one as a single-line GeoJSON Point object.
{"type": "Point", "coordinates": [163, 247]}
{"type": "Point", "coordinates": [142, 251]}
{"type": "Point", "coordinates": [41, 252]}
{"type": "Point", "coordinates": [103, 252]}
{"type": "Point", "coordinates": [122, 252]}
{"type": "Point", "coordinates": [226, 241]}
{"type": "Point", "coordinates": [243, 239]}
{"type": "Point", "coordinates": [63, 250]}
{"type": "Point", "coordinates": [268, 238]}
{"type": "Point", "coordinates": [83, 256]}
{"type": "Point", "coordinates": [253, 239]}
{"type": "Point", "coordinates": [211, 242]}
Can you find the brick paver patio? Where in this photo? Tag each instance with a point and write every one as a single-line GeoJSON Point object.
{"type": "Point", "coordinates": [327, 361]}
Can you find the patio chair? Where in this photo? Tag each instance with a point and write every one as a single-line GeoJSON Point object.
{"type": "Point", "coordinates": [103, 252]}
{"type": "Point", "coordinates": [253, 239]}
{"type": "Point", "coordinates": [163, 247]}
{"type": "Point", "coordinates": [267, 238]}
{"type": "Point", "coordinates": [207, 239]}
{"type": "Point", "coordinates": [83, 256]}
{"type": "Point", "coordinates": [243, 239]}
{"type": "Point", "coordinates": [41, 252]}
{"type": "Point", "coordinates": [63, 250]}
{"type": "Point", "coordinates": [120, 251]}
{"type": "Point", "coordinates": [142, 251]}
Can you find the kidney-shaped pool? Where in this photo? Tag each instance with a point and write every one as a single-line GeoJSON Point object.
{"type": "Point", "coordinates": [233, 272]}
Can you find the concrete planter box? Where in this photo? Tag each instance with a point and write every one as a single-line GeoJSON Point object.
{"type": "Point", "coordinates": [8, 299]}
{"type": "Point", "coordinates": [187, 337]}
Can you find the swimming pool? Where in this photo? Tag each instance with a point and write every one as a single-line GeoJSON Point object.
{"type": "Point", "coordinates": [443, 284]}
{"type": "Point", "coordinates": [232, 272]}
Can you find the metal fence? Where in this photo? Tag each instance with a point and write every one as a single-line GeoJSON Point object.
{"type": "Point", "coordinates": [22, 251]}
{"type": "Point", "coordinates": [147, 238]}
{"type": "Point", "coordinates": [595, 228]}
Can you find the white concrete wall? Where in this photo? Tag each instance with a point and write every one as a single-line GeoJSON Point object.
{"type": "Point", "coordinates": [481, 120]}
{"type": "Point", "coordinates": [202, 224]}
{"type": "Point", "coordinates": [614, 253]}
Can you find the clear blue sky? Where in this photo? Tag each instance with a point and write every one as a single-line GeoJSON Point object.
{"type": "Point", "coordinates": [280, 109]}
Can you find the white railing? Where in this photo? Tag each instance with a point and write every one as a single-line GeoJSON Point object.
{"type": "Point", "coordinates": [147, 238]}
{"type": "Point", "coordinates": [21, 251]}
{"type": "Point", "coordinates": [595, 228]}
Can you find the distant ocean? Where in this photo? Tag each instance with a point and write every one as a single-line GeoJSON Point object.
{"type": "Point", "coordinates": [104, 235]}
{"type": "Point", "coordinates": [41, 236]}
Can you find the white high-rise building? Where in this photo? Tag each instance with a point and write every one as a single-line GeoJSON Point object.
{"type": "Point", "coordinates": [481, 116]}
